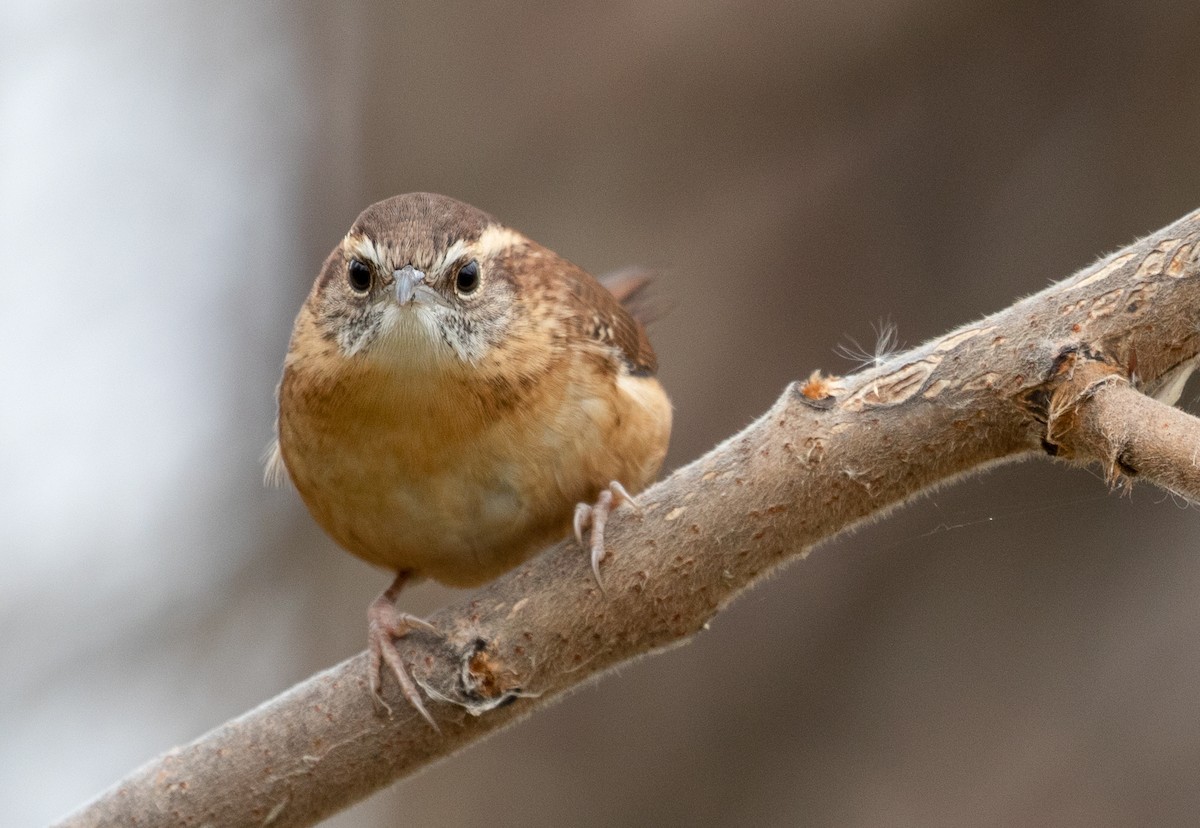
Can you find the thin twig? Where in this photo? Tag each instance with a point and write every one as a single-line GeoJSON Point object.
{"type": "Point", "coordinates": [1131, 435]}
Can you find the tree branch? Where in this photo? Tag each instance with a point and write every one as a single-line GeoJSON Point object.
{"type": "Point", "coordinates": [1060, 372]}
{"type": "Point", "coordinates": [1131, 434]}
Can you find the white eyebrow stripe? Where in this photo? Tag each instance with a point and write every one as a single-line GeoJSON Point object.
{"type": "Point", "coordinates": [360, 246]}
{"type": "Point", "coordinates": [496, 238]}
{"type": "Point", "coordinates": [453, 253]}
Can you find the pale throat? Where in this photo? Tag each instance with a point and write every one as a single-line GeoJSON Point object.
{"type": "Point", "coordinates": [422, 338]}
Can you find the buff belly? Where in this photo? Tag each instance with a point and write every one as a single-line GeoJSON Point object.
{"type": "Point", "coordinates": [466, 502]}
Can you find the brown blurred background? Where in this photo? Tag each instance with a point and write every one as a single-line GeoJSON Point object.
{"type": "Point", "coordinates": [1017, 649]}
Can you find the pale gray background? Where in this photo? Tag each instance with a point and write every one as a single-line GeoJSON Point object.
{"type": "Point", "coordinates": [1018, 649]}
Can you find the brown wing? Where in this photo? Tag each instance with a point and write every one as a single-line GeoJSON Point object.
{"type": "Point", "coordinates": [605, 318]}
{"type": "Point", "coordinates": [631, 287]}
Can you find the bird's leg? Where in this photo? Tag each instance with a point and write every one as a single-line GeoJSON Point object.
{"type": "Point", "coordinates": [594, 516]}
{"type": "Point", "coordinates": [385, 624]}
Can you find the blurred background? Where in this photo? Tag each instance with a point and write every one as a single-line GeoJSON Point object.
{"type": "Point", "coordinates": [1020, 648]}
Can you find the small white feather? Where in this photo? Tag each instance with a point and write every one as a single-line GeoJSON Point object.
{"type": "Point", "coordinates": [275, 472]}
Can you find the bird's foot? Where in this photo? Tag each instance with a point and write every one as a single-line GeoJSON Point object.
{"type": "Point", "coordinates": [594, 516]}
{"type": "Point", "coordinates": [385, 624]}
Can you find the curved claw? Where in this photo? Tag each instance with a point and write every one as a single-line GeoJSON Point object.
{"type": "Point", "coordinates": [600, 511]}
{"type": "Point", "coordinates": [594, 517]}
{"type": "Point", "coordinates": [384, 625]}
{"type": "Point", "coordinates": [583, 519]}
{"type": "Point", "coordinates": [621, 495]}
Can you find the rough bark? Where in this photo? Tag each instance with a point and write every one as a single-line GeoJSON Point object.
{"type": "Point", "coordinates": [1062, 373]}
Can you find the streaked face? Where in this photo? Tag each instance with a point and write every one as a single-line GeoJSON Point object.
{"type": "Point", "coordinates": [418, 281]}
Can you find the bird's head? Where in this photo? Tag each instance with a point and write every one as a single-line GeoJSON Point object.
{"type": "Point", "coordinates": [422, 281]}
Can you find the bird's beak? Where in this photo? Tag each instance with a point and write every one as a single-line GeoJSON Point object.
{"type": "Point", "coordinates": [407, 279]}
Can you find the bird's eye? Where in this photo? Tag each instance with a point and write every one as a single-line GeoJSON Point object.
{"type": "Point", "coordinates": [358, 275]}
{"type": "Point", "coordinates": [467, 280]}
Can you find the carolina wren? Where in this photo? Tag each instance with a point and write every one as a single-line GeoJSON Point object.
{"type": "Point", "coordinates": [452, 391]}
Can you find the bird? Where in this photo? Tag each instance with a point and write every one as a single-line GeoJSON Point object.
{"type": "Point", "coordinates": [455, 397]}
